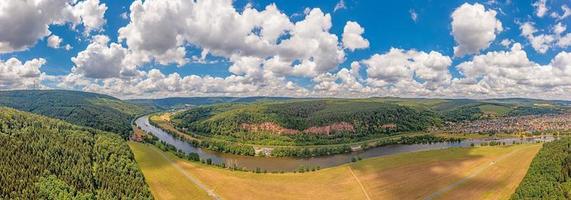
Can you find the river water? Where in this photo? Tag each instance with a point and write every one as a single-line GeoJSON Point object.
{"type": "Point", "coordinates": [290, 164]}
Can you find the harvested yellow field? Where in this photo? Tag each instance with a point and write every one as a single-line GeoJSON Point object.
{"type": "Point", "coordinates": [163, 120]}
{"type": "Point", "coordinates": [165, 181]}
{"type": "Point", "coordinates": [467, 173]}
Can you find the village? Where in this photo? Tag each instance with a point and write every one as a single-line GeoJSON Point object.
{"type": "Point", "coordinates": [521, 124]}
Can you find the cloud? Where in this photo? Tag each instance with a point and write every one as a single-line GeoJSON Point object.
{"type": "Point", "coordinates": [91, 13]}
{"type": "Point", "coordinates": [100, 60]}
{"type": "Point", "coordinates": [68, 47]}
{"type": "Point", "coordinates": [155, 32]}
{"type": "Point", "coordinates": [540, 8]}
{"type": "Point", "coordinates": [543, 42]}
{"type": "Point", "coordinates": [559, 28]}
{"type": "Point", "coordinates": [343, 83]}
{"type": "Point", "coordinates": [566, 13]}
{"type": "Point", "coordinates": [474, 28]}
{"type": "Point", "coordinates": [399, 65]}
{"type": "Point", "coordinates": [54, 41]}
{"type": "Point", "coordinates": [506, 42]}
{"type": "Point", "coordinates": [339, 6]}
{"type": "Point", "coordinates": [564, 41]}
{"type": "Point", "coordinates": [413, 15]}
{"type": "Point", "coordinates": [29, 20]}
{"type": "Point", "coordinates": [17, 75]}
{"type": "Point", "coordinates": [352, 36]}
{"type": "Point", "coordinates": [156, 84]}
{"type": "Point", "coordinates": [511, 73]}
{"type": "Point", "coordinates": [268, 53]}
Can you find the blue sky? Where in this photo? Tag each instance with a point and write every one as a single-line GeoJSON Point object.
{"type": "Point", "coordinates": [386, 25]}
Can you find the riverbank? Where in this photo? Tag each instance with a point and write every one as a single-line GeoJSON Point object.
{"type": "Point", "coordinates": [162, 121]}
{"type": "Point", "coordinates": [481, 172]}
{"type": "Point", "coordinates": [285, 164]}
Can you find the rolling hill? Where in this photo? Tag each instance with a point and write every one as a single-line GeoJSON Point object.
{"type": "Point", "coordinates": [306, 122]}
{"type": "Point", "coordinates": [177, 102]}
{"type": "Point", "coordinates": [86, 109]}
{"type": "Point", "coordinates": [334, 121]}
{"type": "Point", "coordinates": [44, 158]}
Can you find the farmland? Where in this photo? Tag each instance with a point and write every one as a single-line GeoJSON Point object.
{"type": "Point", "coordinates": [481, 172]}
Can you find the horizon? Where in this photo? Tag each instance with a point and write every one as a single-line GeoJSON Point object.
{"type": "Point", "coordinates": [493, 49]}
{"type": "Point", "coordinates": [309, 97]}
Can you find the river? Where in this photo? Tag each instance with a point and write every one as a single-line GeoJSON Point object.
{"type": "Point", "coordinates": [290, 164]}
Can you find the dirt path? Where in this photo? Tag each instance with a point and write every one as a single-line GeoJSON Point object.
{"type": "Point", "coordinates": [188, 176]}
{"type": "Point", "coordinates": [473, 174]}
{"type": "Point", "coordinates": [360, 184]}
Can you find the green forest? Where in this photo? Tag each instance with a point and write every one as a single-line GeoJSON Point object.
{"type": "Point", "coordinates": [44, 158]}
{"type": "Point", "coordinates": [85, 109]}
{"type": "Point", "coordinates": [293, 120]}
{"type": "Point", "coordinates": [549, 175]}
{"type": "Point", "coordinates": [226, 121]}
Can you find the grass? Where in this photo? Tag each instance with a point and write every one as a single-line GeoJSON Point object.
{"type": "Point", "coordinates": [165, 181]}
{"type": "Point", "coordinates": [494, 173]}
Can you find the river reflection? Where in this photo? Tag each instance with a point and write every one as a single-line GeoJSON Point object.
{"type": "Point", "coordinates": [290, 164]}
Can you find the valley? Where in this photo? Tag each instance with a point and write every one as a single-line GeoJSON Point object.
{"type": "Point", "coordinates": [285, 100]}
{"type": "Point", "coordinates": [375, 148]}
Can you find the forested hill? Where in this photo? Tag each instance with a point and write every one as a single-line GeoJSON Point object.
{"type": "Point", "coordinates": [325, 121]}
{"type": "Point", "coordinates": [87, 109]}
{"type": "Point", "coordinates": [304, 122]}
{"type": "Point", "coordinates": [44, 158]}
{"type": "Point", "coordinates": [175, 102]}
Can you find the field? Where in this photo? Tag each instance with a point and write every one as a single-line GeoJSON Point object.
{"type": "Point", "coordinates": [474, 173]}
{"type": "Point", "coordinates": [165, 180]}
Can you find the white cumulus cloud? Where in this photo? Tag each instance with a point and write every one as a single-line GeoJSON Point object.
{"type": "Point", "coordinates": [54, 41]}
{"type": "Point", "coordinates": [17, 75]}
{"type": "Point", "coordinates": [474, 27]}
{"type": "Point", "coordinates": [29, 20]}
{"type": "Point", "coordinates": [540, 8]}
{"type": "Point", "coordinates": [353, 36]}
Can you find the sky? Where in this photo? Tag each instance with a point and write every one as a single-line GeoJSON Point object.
{"type": "Point", "coordinates": [329, 48]}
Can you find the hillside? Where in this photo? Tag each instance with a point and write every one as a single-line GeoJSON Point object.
{"type": "Point", "coordinates": [86, 109]}
{"type": "Point", "coordinates": [334, 121]}
{"type": "Point", "coordinates": [44, 158]}
{"type": "Point", "coordinates": [176, 102]}
{"type": "Point", "coordinates": [304, 121]}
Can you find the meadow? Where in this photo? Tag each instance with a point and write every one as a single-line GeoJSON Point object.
{"type": "Point", "coordinates": [467, 173]}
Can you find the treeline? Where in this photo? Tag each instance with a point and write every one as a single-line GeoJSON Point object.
{"type": "Point", "coordinates": [85, 109]}
{"type": "Point", "coordinates": [549, 175]}
{"type": "Point", "coordinates": [339, 149]}
{"type": "Point", "coordinates": [468, 113]}
{"type": "Point", "coordinates": [522, 111]}
{"type": "Point", "coordinates": [474, 112]}
{"type": "Point", "coordinates": [306, 152]}
{"type": "Point", "coordinates": [43, 158]}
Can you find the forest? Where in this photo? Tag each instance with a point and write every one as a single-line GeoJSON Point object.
{"type": "Point", "coordinates": [44, 158]}
{"type": "Point", "coordinates": [301, 122]}
{"type": "Point", "coordinates": [549, 175]}
{"type": "Point", "coordinates": [85, 109]}
{"type": "Point", "coordinates": [357, 119]}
